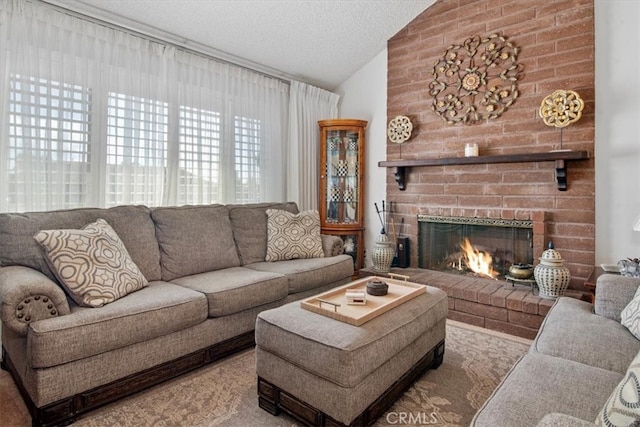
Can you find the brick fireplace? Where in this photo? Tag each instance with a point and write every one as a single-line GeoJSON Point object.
{"type": "Point", "coordinates": [556, 49]}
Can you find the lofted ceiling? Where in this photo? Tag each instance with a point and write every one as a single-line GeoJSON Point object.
{"type": "Point", "coordinates": [321, 42]}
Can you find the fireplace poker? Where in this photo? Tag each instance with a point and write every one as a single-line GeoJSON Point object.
{"type": "Point", "coordinates": [379, 217]}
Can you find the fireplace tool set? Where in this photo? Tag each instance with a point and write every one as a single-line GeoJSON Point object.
{"type": "Point", "coordinates": [388, 251]}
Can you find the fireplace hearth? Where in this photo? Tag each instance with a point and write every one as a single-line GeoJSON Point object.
{"type": "Point", "coordinates": [482, 247]}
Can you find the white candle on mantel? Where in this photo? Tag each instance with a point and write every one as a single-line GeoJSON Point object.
{"type": "Point", "coordinates": [471, 150]}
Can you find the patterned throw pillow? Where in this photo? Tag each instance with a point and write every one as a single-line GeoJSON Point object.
{"type": "Point", "coordinates": [623, 406]}
{"type": "Point", "coordinates": [293, 236]}
{"type": "Point", "coordinates": [92, 264]}
{"type": "Point", "coordinates": [630, 315]}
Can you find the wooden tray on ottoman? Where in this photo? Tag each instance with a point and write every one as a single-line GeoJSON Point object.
{"type": "Point", "coordinates": [333, 303]}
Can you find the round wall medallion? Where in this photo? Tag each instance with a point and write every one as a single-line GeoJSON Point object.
{"type": "Point", "coordinates": [476, 80]}
{"type": "Point", "coordinates": [399, 129]}
{"type": "Point", "coordinates": [561, 108]}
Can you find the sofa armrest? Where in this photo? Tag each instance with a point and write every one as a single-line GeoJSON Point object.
{"type": "Point", "coordinates": [332, 245]}
{"type": "Point", "coordinates": [562, 420]}
{"type": "Point", "coordinates": [613, 293]}
{"type": "Point", "coordinates": [26, 296]}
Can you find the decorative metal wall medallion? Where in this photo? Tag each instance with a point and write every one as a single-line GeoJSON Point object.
{"type": "Point", "coordinates": [476, 80]}
{"type": "Point", "coordinates": [399, 129]}
{"type": "Point", "coordinates": [561, 108]}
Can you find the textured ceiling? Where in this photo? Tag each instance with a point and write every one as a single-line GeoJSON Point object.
{"type": "Point", "coordinates": [321, 42]}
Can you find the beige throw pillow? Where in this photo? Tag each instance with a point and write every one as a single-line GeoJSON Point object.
{"type": "Point", "coordinates": [630, 315]}
{"type": "Point", "coordinates": [92, 264]}
{"type": "Point", "coordinates": [293, 236]}
{"type": "Point", "coordinates": [623, 406]}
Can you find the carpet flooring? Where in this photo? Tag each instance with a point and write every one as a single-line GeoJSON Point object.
{"type": "Point", "coordinates": [224, 393]}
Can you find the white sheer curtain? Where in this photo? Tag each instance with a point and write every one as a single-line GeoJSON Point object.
{"type": "Point", "coordinates": [94, 116]}
{"type": "Point", "coordinates": [307, 105]}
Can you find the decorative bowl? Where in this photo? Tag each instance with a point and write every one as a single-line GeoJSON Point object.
{"type": "Point", "coordinates": [377, 287]}
{"type": "Point", "coordinates": [521, 271]}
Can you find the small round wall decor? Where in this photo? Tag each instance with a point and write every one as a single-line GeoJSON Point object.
{"type": "Point", "coordinates": [561, 108]}
{"type": "Point", "coordinates": [476, 80]}
{"type": "Point", "coordinates": [399, 129]}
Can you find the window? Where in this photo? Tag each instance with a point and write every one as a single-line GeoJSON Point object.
{"type": "Point", "coordinates": [137, 135]}
{"type": "Point", "coordinates": [199, 178]}
{"type": "Point", "coordinates": [49, 144]}
{"type": "Point", "coordinates": [50, 155]}
{"type": "Point", "coordinates": [94, 115]}
{"type": "Point", "coordinates": [247, 160]}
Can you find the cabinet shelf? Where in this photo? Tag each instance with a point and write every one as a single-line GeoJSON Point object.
{"type": "Point", "coordinates": [559, 157]}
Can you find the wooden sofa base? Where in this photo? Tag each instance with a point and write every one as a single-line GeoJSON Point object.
{"type": "Point", "coordinates": [274, 400]}
{"type": "Point", "coordinates": [64, 412]}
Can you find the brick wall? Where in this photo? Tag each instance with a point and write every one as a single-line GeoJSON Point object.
{"type": "Point", "coordinates": [556, 42]}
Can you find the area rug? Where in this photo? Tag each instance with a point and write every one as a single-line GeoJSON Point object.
{"type": "Point", "coordinates": [224, 394]}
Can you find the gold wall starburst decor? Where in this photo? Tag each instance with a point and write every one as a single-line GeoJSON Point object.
{"type": "Point", "coordinates": [561, 108]}
{"type": "Point", "coordinates": [476, 80]}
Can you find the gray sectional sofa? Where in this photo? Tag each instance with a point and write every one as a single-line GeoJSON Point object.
{"type": "Point", "coordinates": [580, 355]}
{"type": "Point", "coordinates": [207, 283]}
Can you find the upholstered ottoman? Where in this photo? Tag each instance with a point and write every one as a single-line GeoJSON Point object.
{"type": "Point", "coordinates": [327, 372]}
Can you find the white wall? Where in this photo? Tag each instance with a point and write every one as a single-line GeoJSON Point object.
{"type": "Point", "coordinates": [617, 129]}
{"type": "Point", "coordinates": [364, 96]}
{"type": "Point", "coordinates": [617, 146]}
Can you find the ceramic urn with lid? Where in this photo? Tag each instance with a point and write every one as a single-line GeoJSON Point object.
{"type": "Point", "coordinates": [551, 274]}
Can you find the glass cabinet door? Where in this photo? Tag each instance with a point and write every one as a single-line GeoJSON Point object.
{"type": "Point", "coordinates": [342, 172]}
{"type": "Point", "coordinates": [341, 190]}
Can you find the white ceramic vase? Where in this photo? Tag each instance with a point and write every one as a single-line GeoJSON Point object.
{"type": "Point", "coordinates": [383, 252]}
{"type": "Point", "coordinates": [551, 275]}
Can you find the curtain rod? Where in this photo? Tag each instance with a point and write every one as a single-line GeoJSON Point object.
{"type": "Point", "coordinates": [165, 38]}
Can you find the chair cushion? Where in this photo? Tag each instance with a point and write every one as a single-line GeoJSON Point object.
{"type": "Point", "coordinates": [235, 289]}
{"type": "Point", "coordinates": [539, 384]}
{"type": "Point", "coordinates": [194, 239]}
{"type": "Point", "coordinates": [156, 310]}
{"type": "Point", "coordinates": [250, 228]}
{"type": "Point", "coordinates": [293, 236]}
{"type": "Point", "coordinates": [572, 331]}
{"type": "Point", "coordinates": [623, 406]}
{"type": "Point", "coordinates": [305, 274]}
{"type": "Point", "coordinates": [92, 264]}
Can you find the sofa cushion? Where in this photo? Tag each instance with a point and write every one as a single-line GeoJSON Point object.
{"type": "Point", "coordinates": [132, 223]}
{"type": "Point", "coordinates": [194, 239]}
{"type": "Point", "coordinates": [572, 331]}
{"type": "Point", "coordinates": [539, 384]}
{"type": "Point", "coordinates": [293, 236]}
{"type": "Point", "coordinates": [305, 274]}
{"type": "Point", "coordinates": [92, 264]}
{"type": "Point", "coordinates": [156, 310]}
{"type": "Point", "coordinates": [623, 406]}
{"type": "Point", "coordinates": [630, 316]}
{"type": "Point", "coordinates": [250, 228]}
{"type": "Point", "coordinates": [236, 289]}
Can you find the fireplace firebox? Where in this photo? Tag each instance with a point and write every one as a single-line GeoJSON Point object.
{"type": "Point", "coordinates": [473, 246]}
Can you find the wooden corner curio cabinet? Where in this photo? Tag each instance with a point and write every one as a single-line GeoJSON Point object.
{"type": "Point", "coordinates": [342, 184]}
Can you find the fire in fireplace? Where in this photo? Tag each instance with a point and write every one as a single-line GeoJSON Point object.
{"type": "Point", "coordinates": [482, 247]}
